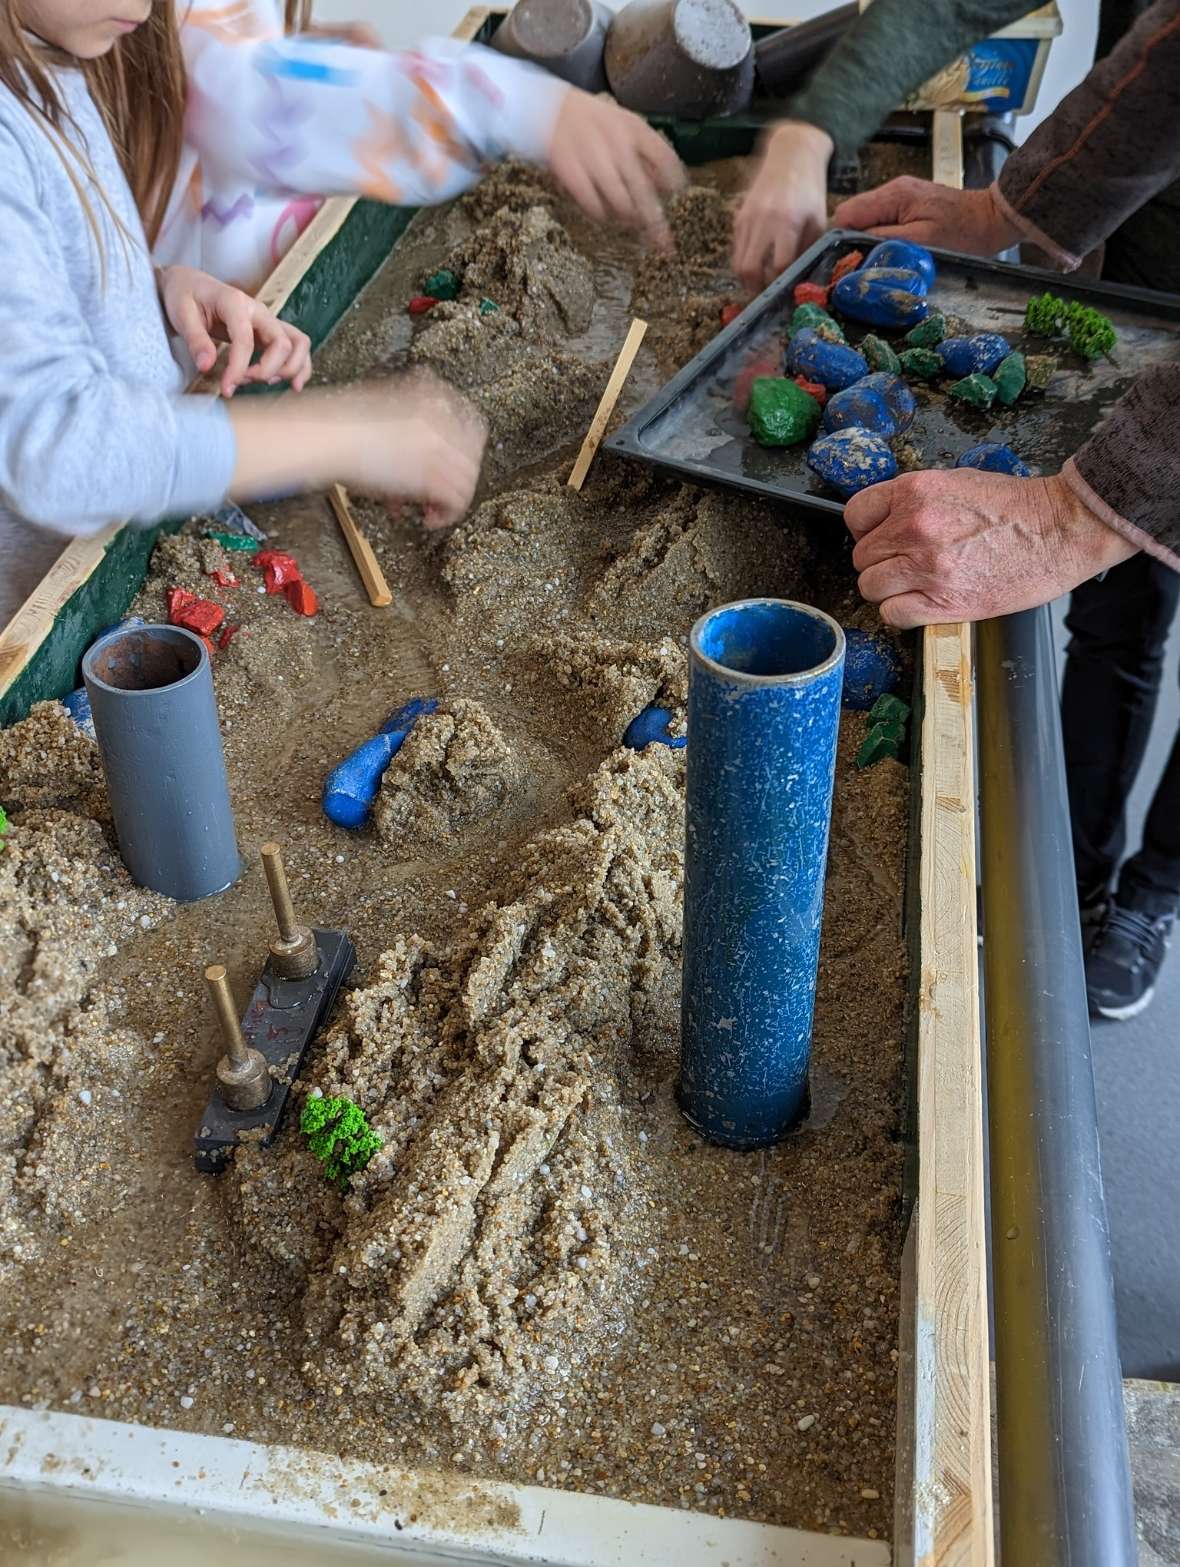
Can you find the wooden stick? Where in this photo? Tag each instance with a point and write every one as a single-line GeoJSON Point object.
{"type": "Point", "coordinates": [606, 407]}
{"type": "Point", "coordinates": [362, 551]}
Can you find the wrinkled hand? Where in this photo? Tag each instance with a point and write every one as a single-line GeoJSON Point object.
{"type": "Point", "coordinates": [785, 208]}
{"type": "Point", "coordinates": [930, 214]}
{"type": "Point", "coordinates": [966, 545]}
{"type": "Point", "coordinates": [204, 312]}
{"type": "Point", "coordinates": [614, 165]}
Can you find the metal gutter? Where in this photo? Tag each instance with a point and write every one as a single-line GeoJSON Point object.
{"type": "Point", "coordinates": [1064, 1474]}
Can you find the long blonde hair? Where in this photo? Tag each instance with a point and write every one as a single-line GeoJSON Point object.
{"type": "Point", "coordinates": [139, 89]}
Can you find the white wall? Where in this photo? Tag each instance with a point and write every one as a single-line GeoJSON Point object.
{"type": "Point", "coordinates": [400, 22]}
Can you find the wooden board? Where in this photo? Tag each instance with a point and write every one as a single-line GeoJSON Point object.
{"type": "Point", "coordinates": [944, 1396]}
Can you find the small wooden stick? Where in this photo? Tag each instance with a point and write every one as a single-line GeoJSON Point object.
{"type": "Point", "coordinates": [362, 551]}
{"type": "Point", "coordinates": [606, 407]}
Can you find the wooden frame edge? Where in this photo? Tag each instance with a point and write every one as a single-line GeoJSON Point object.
{"type": "Point", "coordinates": [34, 620]}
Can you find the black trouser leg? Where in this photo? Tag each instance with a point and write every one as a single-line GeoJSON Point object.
{"type": "Point", "coordinates": [1118, 631]}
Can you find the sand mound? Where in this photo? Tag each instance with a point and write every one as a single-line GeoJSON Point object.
{"type": "Point", "coordinates": [453, 771]}
{"type": "Point", "coordinates": [526, 262]}
{"type": "Point", "coordinates": [612, 682]}
{"type": "Point", "coordinates": [47, 761]}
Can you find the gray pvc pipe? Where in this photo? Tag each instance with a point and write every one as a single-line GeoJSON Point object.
{"type": "Point", "coordinates": [155, 718]}
{"type": "Point", "coordinates": [1065, 1484]}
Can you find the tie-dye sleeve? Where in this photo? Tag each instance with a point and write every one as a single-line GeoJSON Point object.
{"type": "Point", "coordinates": [307, 116]}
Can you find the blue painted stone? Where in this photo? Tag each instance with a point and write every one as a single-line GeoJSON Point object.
{"type": "Point", "coordinates": [902, 403]}
{"type": "Point", "coordinates": [860, 405]}
{"type": "Point", "coordinates": [77, 705]}
{"type": "Point", "coordinates": [882, 296]}
{"type": "Point", "coordinates": [833, 365]}
{"type": "Point", "coordinates": [871, 668]}
{"type": "Point", "coordinates": [760, 766]}
{"type": "Point", "coordinates": [978, 355]}
{"type": "Point", "coordinates": [994, 457]}
{"type": "Point", "coordinates": [902, 253]}
{"type": "Point", "coordinates": [351, 787]}
{"type": "Point", "coordinates": [850, 460]}
{"type": "Point", "coordinates": [651, 728]}
{"type": "Point", "coordinates": [120, 625]}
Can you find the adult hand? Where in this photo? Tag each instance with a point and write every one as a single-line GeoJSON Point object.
{"type": "Point", "coordinates": [613, 164]}
{"type": "Point", "coordinates": [966, 545]}
{"type": "Point", "coordinates": [930, 214]}
{"type": "Point", "coordinates": [204, 312]}
{"type": "Point", "coordinates": [785, 208]}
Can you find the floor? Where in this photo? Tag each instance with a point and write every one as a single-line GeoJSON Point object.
{"type": "Point", "coordinates": [1135, 1063]}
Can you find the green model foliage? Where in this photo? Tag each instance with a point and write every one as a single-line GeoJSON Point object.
{"type": "Point", "coordinates": [3, 823]}
{"type": "Point", "coordinates": [1089, 331]}
{"type": "Point", "coordinates": [339, 1136]}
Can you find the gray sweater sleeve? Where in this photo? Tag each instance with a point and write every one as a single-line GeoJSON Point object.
{"type": "Point", "coordinates": [81, 447]}
{"type": "Point", "coordinates": [891, 50]}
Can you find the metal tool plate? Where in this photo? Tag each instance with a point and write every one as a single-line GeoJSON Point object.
{"type": "Point", "coordinates": [281, 1021]}
{"type": "Point", "coordinates": [693, 429]}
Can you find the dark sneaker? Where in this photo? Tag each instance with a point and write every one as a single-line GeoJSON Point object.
{"type": "Point", "coordinates": [1123, 961]}
{"type": "Point", "coordinates": [1093, 903]}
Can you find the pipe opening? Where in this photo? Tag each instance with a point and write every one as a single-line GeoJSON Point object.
{"type": "Point", "coordinates": [148, 658]}
{"type": "Point", "coordinates": [769, 639]}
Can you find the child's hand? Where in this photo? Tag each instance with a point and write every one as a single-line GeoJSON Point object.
{"type": "Point", "coordinates": [200, 309]}
{"type": "Point", "coordinates": [613, 164]}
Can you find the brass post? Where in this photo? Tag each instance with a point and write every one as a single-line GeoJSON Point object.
{"type": "Point", "coordinates": [243, 1077]}
{"type": "Point", "coordinates": [294, 955]}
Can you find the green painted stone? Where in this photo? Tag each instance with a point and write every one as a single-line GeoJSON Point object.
{"type": "Point", "coordinates": [818, 319]}
{"type": "Point", "coordinates": [1010, 375]}
{"type": "Point", "coordinates": [442, 284]}
{"type": "Point", "coordinates": [234, 541]}
{"type": "Point", "coordinates": [781, 413]}
{"type": "Point", "coordinates": [1039, 368]}
{"type": "Point", "coordinates": [923, 362]}
{"type": "Point", "coordinates": [977, 391]}
{"type": "Point", "coordinates": [928, 333]}
{"type": "Point", "coordinates": [880, 354]}
{"type": "Point", "coordinates": [488, 307]}
{"type": "Point", "coordinates": [889, 708]}
{"type": "Point", "coordinates": [882, 740]}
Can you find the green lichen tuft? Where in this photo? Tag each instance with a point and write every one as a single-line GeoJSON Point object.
{"type": "Point", "coordinates": [1090, 333]}
{"type": "Point", "coordinates": [3, 823]}
{"type": "Point", "coordinates": [339, 1136]}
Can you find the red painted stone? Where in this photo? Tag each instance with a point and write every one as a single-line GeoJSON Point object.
{"type": "Point", "coordinates": [810, 294]}
{"type": "Point", "coordinates": [278, 569]}
{"type": "Point", "coordinates": [224, 578]}
{"type": "Point", "coordinates": [813, 389]}
{"type": "Point", "coordinates": [845, 265]}
{"type": "Point", "coordinates": [201, 616]}
{"type": "Point", "coordinates": [421, 304]}
{"type": "Point", "coordinates": [302, 597]}
{"type": "Point", "coordinates": [731, 313]}
{"type": "Point", "coordinates": [228, 635]}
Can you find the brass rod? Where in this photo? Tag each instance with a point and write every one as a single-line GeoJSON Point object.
{"type": "Point", "coordinates": [223, 1002]}
{"type": "Point", "coordinates": [280, 893]}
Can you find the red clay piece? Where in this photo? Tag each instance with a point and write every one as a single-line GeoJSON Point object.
{"type": "Point", "coordinates": [813, 389]}
{"type": "Point", "coordinates": [810, 294]}
{"type": "Point", "coordinates": [421, 304]}
{"type": "Point", "coordinates": [845, 265]}
{"type": "Point", "coordinates": [278, 569]}
{"type": "Point", "coordinates": [302, 597]}
{"type": "Point", "coordinates": [195, 614]}
{"type": "Point", "coordinates": [731, 313]}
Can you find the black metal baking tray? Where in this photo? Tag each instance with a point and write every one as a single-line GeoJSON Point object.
{"type": "Point", "coordinates": [693, 429]}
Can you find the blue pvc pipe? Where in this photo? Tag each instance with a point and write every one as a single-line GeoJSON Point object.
{"type": "Point", "coordinates": [765, 678]}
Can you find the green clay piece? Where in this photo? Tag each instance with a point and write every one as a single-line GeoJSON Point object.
{"type": "Point", "coordinates": [488, 307]}
{"type": "Point", "coordinates": [442, 284]}
{"type": "Point", "coordinates": [3, 822]}
{"type": "Point", "coordinates": [234, 541]}
{"type": "Point", "coordinates": [889, 709]}
{"type": "Point", "coordinates": [880, 354]}
{"type": "Point", "coordinates": [977, 391]}
{"type": "Point", "coordinates": [1010, 375]}
{"type": "Point", "coordinates": [1040, 370]}
{"type": "Point", "coordinates": [781, 413]}
{"type": "Point", "coordinates": [928, 333]}
{"type": "Point", "coordinates": [881, 741]}
{"type": "Point", "coordinates": [818, 319]}
{"type": "Point", "coordinates": [923, 362]}
{"type": "Point", "coordinates": [339, 1136]}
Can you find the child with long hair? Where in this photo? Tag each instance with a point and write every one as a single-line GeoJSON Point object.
{"type": "Point", "coordinates": [276, 121]}
{"type": "Point", "coordinates": [94, 423]}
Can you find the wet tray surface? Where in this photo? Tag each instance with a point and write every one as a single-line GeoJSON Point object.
{"type": "Point", "coordinates": [694, 429]}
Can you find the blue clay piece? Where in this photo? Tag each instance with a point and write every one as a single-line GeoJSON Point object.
{"type": "Point", "coordinates": [833, 365]}
{"type": "Point", "coordinates": [901, 253]}
{"type": "Point", "coordinates": [978, 355]}
{"type": "Point", "coordinates": [902, 403]}
{"type": "Point", "coordinates": [871, 668]}
{"type": "Point", "coordinates": [882, 296]}
{"type": "Point", "coordinates": [651, 728]}
{"type": "Point", "coordinates": [994, 457]}
{"type": "Point", "coordinates": [850, 460]}
{"type": "Point", "coordinates": [351, 787]}
{"type": "Point", "coordinates": [860, 405]}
